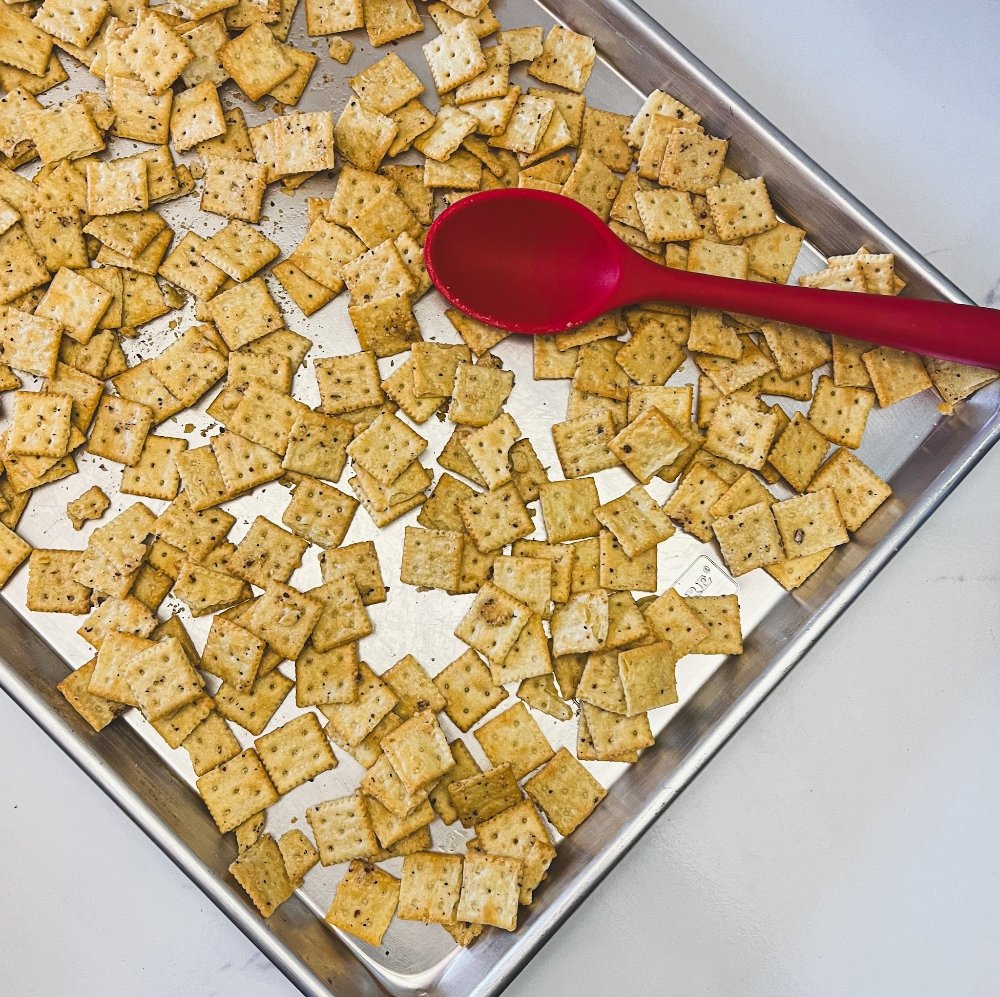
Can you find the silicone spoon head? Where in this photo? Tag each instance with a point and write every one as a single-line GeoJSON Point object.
{"type": "Point", "coordinates": [524, 260]}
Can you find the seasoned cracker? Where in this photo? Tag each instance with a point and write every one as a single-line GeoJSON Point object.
{"type": "Point", "coordinates": [236, 790]}
{"type": "Point", "coordinates": [365, 902]}
{"type": "Point", "coordinates": [253, 708]}
{"type": "Point", "coordinates": [858, 490]}
{"type": "Point", "coordinates": [841, 413]}
{"type": "Point", "coordinates": [295, 753]}
{"type": "Point", "coordinates": [260, 870]}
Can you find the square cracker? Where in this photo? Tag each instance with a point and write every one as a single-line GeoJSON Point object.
{"type": "Point", "coordinates": [527, 579]}
{"type": "Point", "coordinates": [582, 444]}
{"type": "Point", "coordinates": [796, 349]}
{"type": "Point", "coordinates": [41, 424]}
{"type": "Point", "coordinates": [581, 623]}
{"type": "Point", "coordinates": [493, 623]}
{"type": "Point", "coordinates": [519, 832]}
{"type": "Point", "coordinates": [491, 886]}
{"type": "Point", "coordinates": [210, 744]}
{"type": "Point", "coordinates": [365, 902]}
{"type": "Point", "coordinates": [648, 677]}
{"type": "Point", "coordinates": [188, 269]}
{"type": "Point", "coordinates": [284, 617]}
{"type": "Point", "coordinates": [746, 490]}
{"type": "Point", "coordinates": [310, 295]}
{"type": "Point", "coordinates": [348, 383]}
{"type": "Point", "coordinates": [479, 797]}
{"type": "Point", "coordinates": [390, 829]}
{"type": "Point", "coordinates": [386, 85]}
{"type": "Point", "coordinates": [232, 653]}
{"type": "Point", "coordinates": [841, 413]}
{"type": "Point", "coordinates": [667, 215]}
{"type": "Point", "coordinates": [342, 829]}
{"type": "Point", "coordinates": [489, 449]}
{"type": "Point", "coordinates": [389, 20]}
{"type": "Point", "coordinates": [431, 558]}
{"type": "Point", "coordinates": [245, 313]}
{"type": "Point", "coordinates": [323, 677]}
{"type": "Point", "coordinates": [493, 82]}
{"type": "Point", "coordinates": [295, 753]}
{"type": "Point", "coordinates": [741, 434]}
{"type": "Point", "coordinates": [514, 737]}
{"type": "Point", "coordinates": [895, 374]}
{"type": "Point", "coordinates": [568, 509]}
{"type": "Point", "coordinates": [566, 59]}
{"type": "Point", "coordinates": [773, 253]}
{"type": "Point", "coordinates": [592, 184]}
{"type": "Point", "coordinates": [23, 44]}
{"type": "Point", "coordinates": [798, 452]}
{"type": "Point", "coordinates": [720, 614]}
{"type": "Point", "coordinates": [413, 688]}
{"type": "Point", "coordinates": [636, 521]}
{"type": "Point", "coordinates": [749, 538]}
{"type": "Point", "coordinates": [155, 474]}
{"type": "Point", "coordinates": [386, 448]}
{"type": "Point", "coordinates": [360, 563]}
{"type": "Point", "coordinates": [496, 518]}
{"type": "Point", "coordinates": [455, 57]}
{"type": "Point", "coordinates": [265, 415]}
{"type": "Point", "coordinates": [233, 188]}
{"type": "Point", "coordinates": [741, 209]}
{"type": "Point", "coordinates": [613, 736]}
{"type": "Point", "coordinates": [430, 885]}
{"type": "Point", "coordinates": [648, 444]}
{"type": "Point", "coordinates": [565, 792]}
{"type": "Point", "coordinates": [325, 17]}
{"type": "Point", "coordinates": [196, 116]}
{"type": "Point", "coordinates": [689, 506]}
{"type": "Point", "coordinates": [76, 303]}
{"type": "Point", "coordinates": [236, 790]}
{"type": "Point", "coordinates": [253, 708]}
{"type": "Point", "coordinates": [51, 585]}
{"type": "Point", "coordinates": [239, 250]}
{"type": "Point", "coordinates": [97, 711]}
{"type": "Point", "coordinates": [267, 553]}
{"type": "Point", "coordinates": [363, 137]}
{"type": "Point", "coordinates": [418, 751]}
{"type": "Point", "coordinates": [155, 52]}
{"type": "Point", "coordinates": [671, 619]}
{"type": "Point", "coordinates": [162, 679]}
{"type": "Point", "coordinates": [256, 61]}
{"type": "Point", "coordinates": [120, 430]}
{"type": "Point", "coordinates": [261, 871]}
{"type": "Point", "coordinates": [350, 723]}
{"type": "Point", "coordinates": [468, 690]}
{"type": "Point", "coordinates": [810, 523]}
{"type": "Point", "coordinates": [319, 513]}
{"type": "Point", "coordinates": [692, 161]}
{"type": "Point", "coordinates": [478, 393]}
{"type": "Point", "coordinates": [858, 489]}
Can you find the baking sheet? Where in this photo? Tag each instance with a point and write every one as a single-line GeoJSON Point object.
{"type": "Point", "coordinates": [910, 444]}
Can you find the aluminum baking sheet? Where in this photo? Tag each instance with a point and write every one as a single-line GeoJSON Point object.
{"type": "Point", "coordinates": [912, 445]}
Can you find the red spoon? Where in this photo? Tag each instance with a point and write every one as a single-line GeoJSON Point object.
{"type": "Point", "coordinates": [534, 262]}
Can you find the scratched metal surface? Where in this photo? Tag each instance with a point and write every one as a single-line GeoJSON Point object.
{"type": "Point", "coordinates": [911, 445]}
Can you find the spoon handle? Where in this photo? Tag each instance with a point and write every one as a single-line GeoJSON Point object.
{"type": "Point", "coordinates": [964, 333]}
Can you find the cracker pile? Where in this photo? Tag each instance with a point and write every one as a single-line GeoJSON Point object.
{"type": "Point", "coordinates": [551, 609]}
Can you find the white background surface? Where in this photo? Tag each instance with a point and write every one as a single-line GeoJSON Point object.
{"type": "Point", "coordinates": [844, 842]}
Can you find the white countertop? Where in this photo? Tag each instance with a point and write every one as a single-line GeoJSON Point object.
{"type": "Point", "coordinates": [844, 842]}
